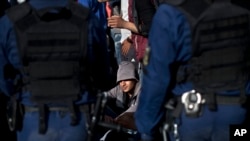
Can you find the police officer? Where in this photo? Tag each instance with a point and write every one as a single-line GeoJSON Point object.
{"type": "Point", "coordinates": [55, 121]}
{"type": "Point", "coordinates": [169, 48]}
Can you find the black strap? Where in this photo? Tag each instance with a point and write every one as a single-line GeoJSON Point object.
{"type": "Point", "coordinates": [42, 119]}
{"type": "Point", "coordinates": [177, 111]}
{"type": "Point", "coordinates": [243, 96]}
{"type": "Point", "coordinates": [15, 14]}
{"type": "Point", "coordinates": [211, 101]}
{"type": "Point", "coordinates": [187, 7]}
{"type": "Point", "coordinates": [72, 111]}
{"type": "Point", "coordinates": [135, 14]}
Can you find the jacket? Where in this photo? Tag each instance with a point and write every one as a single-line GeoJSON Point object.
{"type": "Point", "coordinates": [120, 97]}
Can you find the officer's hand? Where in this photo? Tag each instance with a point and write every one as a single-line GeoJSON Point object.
{"type": "Point", "coordinates": [126, 120]}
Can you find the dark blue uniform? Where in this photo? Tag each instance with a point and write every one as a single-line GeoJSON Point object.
{"type": "Point", "coordinates": [98, 8]}
{"type": "Point", "coordinates": [59, 127]}
{"type": "Point", "coordinates": [170, 43]}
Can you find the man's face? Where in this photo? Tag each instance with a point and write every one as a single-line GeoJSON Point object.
{"type": "Point", "coordinates": [127, 85]}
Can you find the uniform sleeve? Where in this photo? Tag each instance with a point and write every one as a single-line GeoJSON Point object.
{"type": "Point", "coordinates": [168, 36]}
{"type": "Point", "coordinates": [8, 55]}
{"type": "Point", "coordinates": [98, 8]}
{"type": "Point", "coordinates": [98, 55]}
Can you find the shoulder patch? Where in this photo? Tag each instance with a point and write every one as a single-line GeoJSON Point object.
{"type": "Point", "coordinates": [146, 56]}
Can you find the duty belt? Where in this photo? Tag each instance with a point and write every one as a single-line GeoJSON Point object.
{"type": "Point", "coordinates": [192, 101]}
{"type": "Point", "coordinates": [86, 108]}
{"type": "Point", "coordinates": [81, 108]}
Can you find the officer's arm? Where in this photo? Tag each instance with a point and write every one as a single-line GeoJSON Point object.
{"type": "Point", "coordinates": [165, 38]}
{"type": "Point", "coordinates": [8, 56]}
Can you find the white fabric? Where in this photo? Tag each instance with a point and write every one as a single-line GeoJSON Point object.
{"type": "Point", "coordinates": [125, 33]}
{"type": "Point", "coordinates": [105, 135]}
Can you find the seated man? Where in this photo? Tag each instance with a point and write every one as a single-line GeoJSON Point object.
{"type": "Point", "coordinates": [123, 99]}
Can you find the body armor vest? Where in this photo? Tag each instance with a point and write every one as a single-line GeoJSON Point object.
{"type": "Point", "coordinates": [52, 45]}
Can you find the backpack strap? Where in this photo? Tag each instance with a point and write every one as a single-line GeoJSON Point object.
{"type": "Point", "coordinates": [135, 14]}
{"type": "Point", "coordinates": [187, 7]}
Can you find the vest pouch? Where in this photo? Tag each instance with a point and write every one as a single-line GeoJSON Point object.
{"type": "Point", "coordinates": [53, 69]}
{"type": "Point", "coordinates": [54, 81]}
{"type": "Point", "coordinates": [54, 90]}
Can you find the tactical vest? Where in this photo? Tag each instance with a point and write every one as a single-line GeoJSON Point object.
{"type": "Point", "coordinates": [52, 44]}
{"type": "Point", "coordinates": [220, 44]}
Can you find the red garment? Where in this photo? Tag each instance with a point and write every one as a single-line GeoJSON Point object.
{"type": "Point", "coordinates": [108, 9]}
{"type": "Point", "coordinates": [140, 44]}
